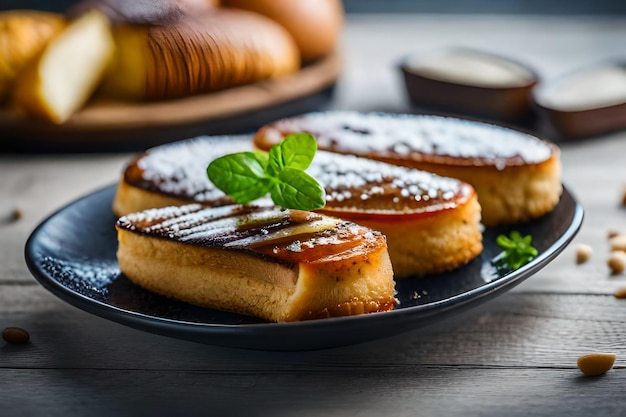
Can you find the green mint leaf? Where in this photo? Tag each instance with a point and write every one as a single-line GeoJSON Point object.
{"type": "Point", "coordinates": [240, 175]}
{"type": "Point", "coordinates": [262, 158]}
{"type": "Point", "coordinates": [297, 190]}
{"type": "Point", "coordinates": [247, 176]}
{"type": "Point", "coordinates": [517, 250]}
{"type": "Point", "coordinates": [295, 151]}
{"type": "Point", "coordinates": [504, 242]}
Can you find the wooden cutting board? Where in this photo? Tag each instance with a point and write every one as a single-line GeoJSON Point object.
{"type": "Point", "coordinates": [105, 125]}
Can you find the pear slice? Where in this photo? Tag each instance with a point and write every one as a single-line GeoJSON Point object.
{"type": "Point", "coordinates": [68, 71]}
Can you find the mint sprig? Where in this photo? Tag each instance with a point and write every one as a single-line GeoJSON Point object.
{"type": "Point", "coordinates": [247, 176]}
{"type": "Point", "coordinates": [517, 250]}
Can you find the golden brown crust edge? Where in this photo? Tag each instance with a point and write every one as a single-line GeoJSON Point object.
{"type": "Point", "coordinates": [432, 244]}
{"type": "Point", "coordinates": [129, 199]}
{"type": "Point", "coordinates": [514, 194]}
{"type": "Point", "coordinates": [315, 25]}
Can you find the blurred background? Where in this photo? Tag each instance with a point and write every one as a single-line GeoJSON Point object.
{"type": "Point", "coordinates": [553, 39]}
{"type": "Point", "coordinates": [487, 6]}
{"type": "Point", "coordinates": [561, 7]}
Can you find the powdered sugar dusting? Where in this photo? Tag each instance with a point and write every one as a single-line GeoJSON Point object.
{"type": "Point", "coordinates": [179, 168]}
{"type": "Point", "coordinates": [350, 181]}
{"type": "Point", "coordinates": [408, 135]}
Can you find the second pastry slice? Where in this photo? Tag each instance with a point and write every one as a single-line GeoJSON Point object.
{"type": "Point", "coordinates": [517, 176]}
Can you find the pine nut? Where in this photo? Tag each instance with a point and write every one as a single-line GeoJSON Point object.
{"type": "Point", "coordinates": [612, 233]}
{"type": "Point", "coordinates": [15, 335]}
{"type": "Point", "coordinates": [617, 262]}
{"type": "Point", "coordinates": [620, 293]}
{"type": "Point", "coordinates": [596, 363]}
{"type": "Point", "coordinates": [618, 242]}
{"type": "Point", "coordinates": [583, 253]}
{"type": "Point", "coordinates": [17, 214]}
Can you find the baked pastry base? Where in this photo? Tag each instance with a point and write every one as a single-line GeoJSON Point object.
{"type": "Point", "coordinates": [338, 284]}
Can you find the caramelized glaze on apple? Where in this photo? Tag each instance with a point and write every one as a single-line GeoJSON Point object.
{"type": "Point", "coordinates": [361, 186]}
{"type": "Point", "coordinates": [287, 236]}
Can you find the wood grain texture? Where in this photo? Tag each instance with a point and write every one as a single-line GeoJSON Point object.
{"type": "Point", "coordinates": [517, 330]}
{"type": "Point", "coordinates": [413, 390]}
{"type": "Point", "coordinates": [515, 355]}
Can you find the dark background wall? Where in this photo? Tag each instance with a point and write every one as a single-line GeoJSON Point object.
{"type": "Point", "coordinates": [489, 6]}
{"type": "Point", "coordinates": [563, 7]}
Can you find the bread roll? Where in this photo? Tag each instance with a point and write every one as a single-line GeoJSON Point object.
{"type": "Point", "coordinates": [314, 24]}
{"type": "Point", "coordinates": [279, 265]}
{"type": "Point", "coordinates": [199, 54]}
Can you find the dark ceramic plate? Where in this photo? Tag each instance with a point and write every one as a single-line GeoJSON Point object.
{"type": "Point", "coordinates": [72, 254]}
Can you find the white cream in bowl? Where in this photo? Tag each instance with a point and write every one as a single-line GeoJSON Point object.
{"type": "Point", "coordinates": [471, 68]}
{"type": "Point", "coordinates": [586, 90]}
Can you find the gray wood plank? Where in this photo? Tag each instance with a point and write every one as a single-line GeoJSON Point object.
{"type": "Point", "coordinates": [370, 391]}
{"type": "Point", "coordinates": [515, 330]}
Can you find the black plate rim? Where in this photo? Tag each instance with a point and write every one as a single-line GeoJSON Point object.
{"type": "Point", "coordinates": [211, 332]}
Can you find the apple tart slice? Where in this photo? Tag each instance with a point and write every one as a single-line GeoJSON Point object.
{"type": "Point", "coordinates": [261, 260]}
{"type": "Point", "coordinates": [517, 176]}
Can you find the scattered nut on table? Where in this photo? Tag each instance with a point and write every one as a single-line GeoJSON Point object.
{"type": "Point", "coordinates": [17, 214]}
{"type": "Point", "coordinates": [620, 293]}
{"type": "Point", "coordinates": [624, 197]}
{"type": "Point", "coordinates": [618, 242]}
{"type": "Point", "coordinates": [612, 233]}
{"type": "Point", "coordinates": [617, 262]}
{"type": "Point", "coordinates": [583, 253]}
{"type": "Point", "coordinates": [15, 335]}
{"type": "Point", "coordinates": [10, 215]}
{"type": "Point", "coordinates": [595, 363]}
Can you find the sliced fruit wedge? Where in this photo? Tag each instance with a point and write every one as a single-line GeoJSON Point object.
{"type": "Point", "coordinates": [68, 71]}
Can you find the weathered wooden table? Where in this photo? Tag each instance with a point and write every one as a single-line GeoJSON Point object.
{"type": "Point", "coordinates": [514, 355]}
